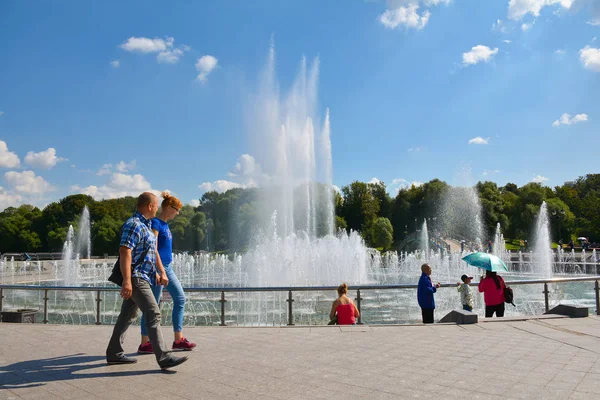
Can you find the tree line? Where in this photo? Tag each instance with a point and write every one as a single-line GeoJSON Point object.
{"type": "Point", "coordinates": [222, 221]}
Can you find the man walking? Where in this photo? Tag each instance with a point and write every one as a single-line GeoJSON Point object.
{"type": "Point", "coordinates": [137, 253]}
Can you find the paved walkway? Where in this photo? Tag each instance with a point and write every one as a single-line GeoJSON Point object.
{"type": "Point", "coordinates": [546, 358]}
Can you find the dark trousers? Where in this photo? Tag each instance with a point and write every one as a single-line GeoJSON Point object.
{"type": "Point", "coordinates": [142, 298]}
{"type": "Point", "coordinates": [467, 307]}
{"type": "Point", "coordinates": [498, 309]}
{"type": "Point", "coordinates": [427, 315]}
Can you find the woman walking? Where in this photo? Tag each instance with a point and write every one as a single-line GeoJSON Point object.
{"type": "Point", "coordinates": [169, 209]}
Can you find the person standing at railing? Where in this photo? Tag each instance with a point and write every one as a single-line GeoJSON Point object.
{"type": "Point", "coordinates": [492, 287]}
{"type": "Point", "coordinates": [425, 292]}
{"type": "Point", "coordinates": [169, 209]}
{"type": "Point", "coordinates": [138, 244]}
{"type": "Point", "coordinates": [344, 308]}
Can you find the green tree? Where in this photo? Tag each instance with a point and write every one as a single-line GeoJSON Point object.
{"type": "Point", "coordinates": [382, 233]}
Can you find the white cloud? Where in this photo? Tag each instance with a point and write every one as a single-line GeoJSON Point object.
{"type": "Point", "coordinates": [594, 22]}
{"type": "Point", "coordinates": [104, 170]}
{"type": "Point", "coordinates": [479, 140]}
{"type": "Point", "coordinates": [119, 185]}
{"type": "Point", "coordinates": [169, 56]}
{"type": "Point", "coordinates": [8, 199]}
{"type": "Point", "coordinates": [204, 66]}
{"type": "Point", "coordinates": [517, 9]}
{"type": "Point", "coordinates": [246, 166]}
{"type": "Point", "coordinates": [566, 119]}
{"type": "Point", "coordinates": [27, 182]}
{"type": "Point", "coordinates": [44, 159]}
{"type": "Point", "coordinates": [527, 26]}
{"type": "Point", "coordinates": [488, 172]}
{"type": "Point", "coordinates": [590, 57]}
{"type": "Point", "coordinates": [115, 63]}
{"type": "Point", "coordinates": [195, 203]}
{"type": "Point", "coordinates": [122, 166]}
{"type": "Point", "coordinates": [507, 41]}
{"type": "Point", "coordinates": [539, 179]}
{"type": "Point", "coordinates": [164, 47]}
{"type": "Point", "coordinates": [8, 159]}
{"type": "Point", "coordinates": [499, 26]}
{"type": "Point", "coordinates": [559, 52]}
{"type": "Point", "coordinates": [414, 149]}
{"type": "Point", "coordinates": [146, 45]}
{"type": "Point", "coordinates": [478, 54]}
{"type": "Point", "coordinates": [375, 181]}
{"type": "Point", "coordinates": [220, 186]}
{"type": "Point", "coordinates": [401, 183]}
{"type": "Point", "coordinates": [405, 15]}
{"type": "Point", "coordinates": [1, 113]}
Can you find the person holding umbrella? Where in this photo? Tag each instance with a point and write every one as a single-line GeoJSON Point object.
{"type": "Point", "coordinates": [492, 285]}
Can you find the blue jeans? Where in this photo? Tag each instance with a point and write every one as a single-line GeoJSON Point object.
{"type": "Point", "coordinates": [467, 308]}
{"type": "Point", "coordinates": [176, 291]}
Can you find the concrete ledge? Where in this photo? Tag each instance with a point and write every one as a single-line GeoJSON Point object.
{"type": "Point", "coordinates": [570, 310]}
{"type": "Point", "coordinates": [460, 317]}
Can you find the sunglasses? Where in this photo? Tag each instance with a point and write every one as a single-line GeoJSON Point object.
{"type": "Point", "coordinates": [174, 208]}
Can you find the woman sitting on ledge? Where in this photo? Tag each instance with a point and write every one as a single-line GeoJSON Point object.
{"type": "Point", "coordinates": [344, 307]}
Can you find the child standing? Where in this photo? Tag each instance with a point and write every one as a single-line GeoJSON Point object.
{"type": "Point", "coordinates": [466, 294]}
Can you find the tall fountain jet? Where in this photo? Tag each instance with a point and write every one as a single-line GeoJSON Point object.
{"type": "Point", "coordinates": [296, 242]}
{"type": "Point", "coordinates": [84, 242]}
{"type": "Point", "coordinates": [542, 254]}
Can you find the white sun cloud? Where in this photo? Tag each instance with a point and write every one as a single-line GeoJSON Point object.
{"type": "Point", "coordinates": [194, 203]}
{"type": "Point", "coordinates": [479, 140]}
{"type": "Point", "coordinates": [539, 179]}
{"type": "Point", "coordinates": [167, 53]}
{"type": "Point", "coordinates": [517, 9]}
{"type": "Point", "coordinates": [566, 119]}
{"type": "Point", "coordinates": [507, 41]}
{"type": "Point", "coordinates": [115, 63]}
{"type": "Point", "coordinates": [590, 57]}
{"type": "Point", "coordinates": [8, 159]}
{"type": "Point", "coordinates": [204, 66]}
{"type": "Point", "coordinates": [44, 159]}
{"type": "Point", "coordinates": [375, 181]}
{"type": "Point", "coordinates": [119, 185]}
{"type": "Point", "coordinates": [479, 53]}
{"type": "Point", "coordinates": [27, 182]}
{"type": "Point", "coordinates": [414, 149]}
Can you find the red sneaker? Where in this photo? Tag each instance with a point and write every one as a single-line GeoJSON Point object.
{"type": "Point", "coordinates": [145, 348]}
{"type": "Point", "coordinates": [183, 344]}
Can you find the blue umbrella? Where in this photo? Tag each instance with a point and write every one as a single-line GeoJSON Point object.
{"type": "Point", "coordinates": [486, 261]}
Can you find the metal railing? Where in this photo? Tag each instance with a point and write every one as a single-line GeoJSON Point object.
{"type": "Point", "coordinates": [290, 289]}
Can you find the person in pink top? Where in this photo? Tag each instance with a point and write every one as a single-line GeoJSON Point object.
{"type": "Point", "coordinates": [492, 287]}
{"type": "Point", "coordinates": [344, 307]}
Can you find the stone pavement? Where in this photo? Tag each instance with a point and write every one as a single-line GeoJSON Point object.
{"type": "Point", "coordinates": [545, 358]}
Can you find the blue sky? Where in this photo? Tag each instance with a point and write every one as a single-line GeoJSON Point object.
{"type": "Point", "coordinates": [112, 98]}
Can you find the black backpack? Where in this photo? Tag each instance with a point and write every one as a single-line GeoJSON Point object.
{"type": "Point", "coordinates": [508, 295]}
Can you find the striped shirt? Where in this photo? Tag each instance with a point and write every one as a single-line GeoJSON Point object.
{"type": "Point", "coordinates": [137, 235]}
